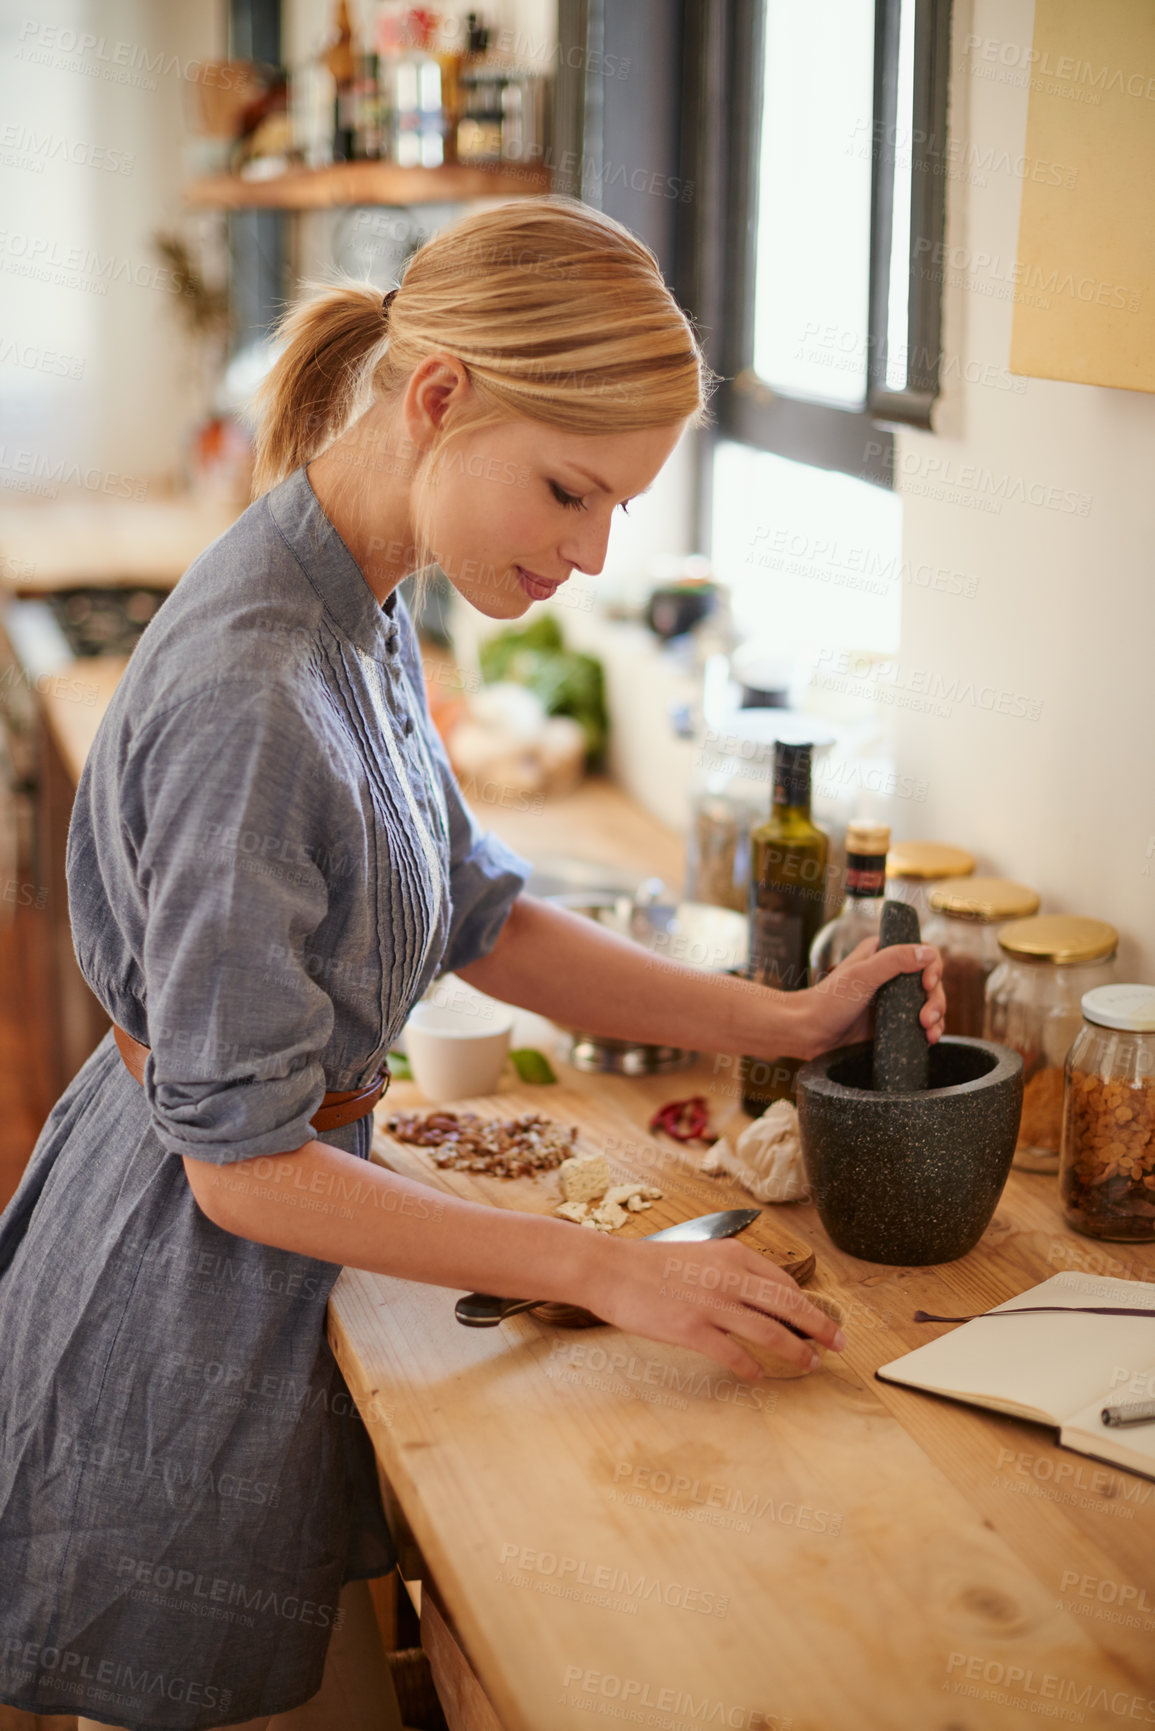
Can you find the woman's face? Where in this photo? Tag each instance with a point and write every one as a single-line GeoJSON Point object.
{"type": "Point", "coordinates": [514, 509]}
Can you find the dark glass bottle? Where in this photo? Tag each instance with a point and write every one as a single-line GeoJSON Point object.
{"type": "Point", "coordinates": [341, 59]}
{"type": "Point", "coordinates": [787, 898]}
{"type": "Point", "coordinates": [367, 127]}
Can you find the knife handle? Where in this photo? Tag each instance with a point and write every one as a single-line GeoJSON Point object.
{"type": "Point", "coordinates": [483, 1310]}
{"type": "Point", "coordinates": [480, 1310]}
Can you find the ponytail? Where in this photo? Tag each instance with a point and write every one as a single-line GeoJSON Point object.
{"type": "Point", "coordinates": [333, 341]}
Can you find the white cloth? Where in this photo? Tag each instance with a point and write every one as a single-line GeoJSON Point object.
{"type": "Point", "coordinates": [767, 1158]}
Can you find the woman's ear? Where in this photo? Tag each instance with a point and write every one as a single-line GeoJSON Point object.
{"type": "Point", "coordinates": [440, 382]}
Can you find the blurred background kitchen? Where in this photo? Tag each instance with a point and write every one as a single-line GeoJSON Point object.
{"type": "Point", "coordinates": [917, 536]}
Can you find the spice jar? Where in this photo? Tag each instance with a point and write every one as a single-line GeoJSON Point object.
{"type": "Point", "coordinates": [913, 868]}
{"type": "Point", "coordinates": [1034, 1005]}
{"type": "Point", "coordinates": [1107, 1158]}
{"type": "Point", "coordinates": [965, 927]}
{"type": "Point", "coordinates": [729, 795]}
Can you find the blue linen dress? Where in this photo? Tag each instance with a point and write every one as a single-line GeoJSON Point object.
{"type": "Point", "coordinates": [269, 862]}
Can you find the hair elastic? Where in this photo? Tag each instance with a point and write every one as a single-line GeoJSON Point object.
{"type": "Point", "coordinates": [388, 302]}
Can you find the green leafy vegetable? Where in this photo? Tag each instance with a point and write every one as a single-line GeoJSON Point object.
{"type": "Point", "coordinates": [532, 1065]}
{"type": "Point", "coordinates": [399, 1067]}
{"type": "Point", "coordinates": [567, 682]}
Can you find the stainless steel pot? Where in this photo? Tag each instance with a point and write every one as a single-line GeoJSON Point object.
{"type": "Point", "coordinates": [709, 938]}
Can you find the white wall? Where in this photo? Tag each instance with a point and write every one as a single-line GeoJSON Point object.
{"type": "Point", "coordinates": [93, 96]}
{"type": "Point", "coordinates": [1058, 790]}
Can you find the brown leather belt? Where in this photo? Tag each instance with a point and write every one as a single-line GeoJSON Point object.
{"type": "Point", "coordinates": [335, 1110]}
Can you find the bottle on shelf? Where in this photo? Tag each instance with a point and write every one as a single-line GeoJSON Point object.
{"type": "Point", "coordinates": [368, 131]}
{"type": "Point", "coordinates": [341, 59]}
{"type": "Point", "coordinates": [311, 112]}
{"type": "Point", "coordinates": [450, 50]}
{"type": "Point", "coordinates": [788, 855]}
{"type": "Point", "coordinates": [390, 39]}
{"type": "Point", "coordinates": [866, 847]}
{"type": "Point", "coordinates": [483, 79]}
{"type": "Point", "coordinates": [417, 122]}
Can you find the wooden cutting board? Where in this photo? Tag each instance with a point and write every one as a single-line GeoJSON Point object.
{"type": "Point", "coordinates": [632, 1154]}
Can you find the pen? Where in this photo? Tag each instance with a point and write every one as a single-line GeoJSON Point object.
{"type": "Point", "coordinates": [1135, 1412]}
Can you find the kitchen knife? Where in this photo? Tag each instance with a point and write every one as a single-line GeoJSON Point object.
{"type": "Point", "coordinates": [482, 1310]}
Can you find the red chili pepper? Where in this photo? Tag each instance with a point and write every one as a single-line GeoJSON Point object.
{"type": "Point", "coordinates": [684, 1120]}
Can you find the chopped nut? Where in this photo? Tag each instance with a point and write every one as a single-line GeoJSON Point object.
{"type": "Point", "coordinates": [501, 1148]}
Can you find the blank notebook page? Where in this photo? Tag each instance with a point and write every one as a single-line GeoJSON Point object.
{"type": "Point", "coordinates": [1046, 1367]}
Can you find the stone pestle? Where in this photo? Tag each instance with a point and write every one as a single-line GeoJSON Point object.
{"type": "Point", "coordinates": [901, 1053]}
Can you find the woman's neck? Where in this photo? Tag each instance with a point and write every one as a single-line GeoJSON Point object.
{"type": "Point", "coordinates": [363, 483]}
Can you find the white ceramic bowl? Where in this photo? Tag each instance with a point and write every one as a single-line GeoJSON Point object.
{"type": "Point", "coordinates": [457, 1050]}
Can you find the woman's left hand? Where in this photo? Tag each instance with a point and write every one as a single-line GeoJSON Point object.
{"type": "Point", "coordinates": [836, 1011]}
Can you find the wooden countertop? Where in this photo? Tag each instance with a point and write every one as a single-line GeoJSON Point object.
{"type": "Point", "coordinates": [75, 541]}
{"type": "Point", "coordinates": [620, 1527]}
{"type": "Point", "coordinates": [598, 822]}
{"type": "Point", "coordinates": [73, 702]}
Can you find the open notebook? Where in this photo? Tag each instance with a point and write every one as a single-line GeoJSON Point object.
{"type": "Point", "coordinates": [1058, 1370]}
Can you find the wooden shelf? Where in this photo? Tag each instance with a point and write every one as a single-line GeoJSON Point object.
{"type": "Point", "coordinates": [366, 183]}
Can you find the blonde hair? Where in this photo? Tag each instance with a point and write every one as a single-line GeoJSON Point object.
{"type": "Point", "coordinates": [557, 312]}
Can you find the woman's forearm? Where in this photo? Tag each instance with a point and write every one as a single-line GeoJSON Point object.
{"type": "Point", "coordinates": [319, 1201]}
{"type": "Point", "coordinates": [565, 966]}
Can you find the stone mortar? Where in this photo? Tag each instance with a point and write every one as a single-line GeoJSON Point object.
{"type": "Point", "coordinates": [910, 1178]}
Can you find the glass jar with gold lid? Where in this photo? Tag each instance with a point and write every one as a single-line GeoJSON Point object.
{"type": "Point", "coordinates": [965, 922]}
{"type": "Point", "coordinates": [1107, 1155]}
{"type": "Point", "coordinates": [914, 868]}
{"type": "Point", "coordinates": [1034, 1004]}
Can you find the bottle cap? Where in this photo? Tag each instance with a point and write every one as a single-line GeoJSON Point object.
{"type": "Point", "coordinates": [1131, 1008]}
{"type": "Point", "coordinates": [869, 838]}
{"type": "Point", "coordinates": [928, 859]}
{"type": "Point", "coordinates": [792, 772]}
{"type": "Point", "coordinates": [1060, 938]}
{"type": "Point", "coordinates": [984, 899]}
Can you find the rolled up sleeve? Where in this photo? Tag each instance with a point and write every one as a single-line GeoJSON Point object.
{"type": "Point", "coordinates": [230, 863]}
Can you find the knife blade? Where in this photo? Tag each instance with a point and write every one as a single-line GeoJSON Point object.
{"type": "Point", "coordinates": [483, 1310]}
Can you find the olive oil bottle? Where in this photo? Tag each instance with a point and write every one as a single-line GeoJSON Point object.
{"type": "Point", "coordinates": [787, 899]}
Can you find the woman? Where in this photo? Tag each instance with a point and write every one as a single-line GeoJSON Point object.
{"type": "Point", "coordinates": [269, 863]}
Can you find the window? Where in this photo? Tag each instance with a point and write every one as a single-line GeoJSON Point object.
{"type": "Point", "coordinates": [818, 133]}
{"type": "Point", "coordinates": [813, 559]}
{"type": "Point", "coordinates": [815, 131]}
{"type": "Point", "coordinates": [811, 264]}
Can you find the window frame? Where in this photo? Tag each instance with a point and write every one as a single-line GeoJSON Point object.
{"type": "Point", "coordinates": [724, 49]}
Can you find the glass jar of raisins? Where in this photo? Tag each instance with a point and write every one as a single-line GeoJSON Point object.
{"type": "Point", "coordinates": [1107, 1154]}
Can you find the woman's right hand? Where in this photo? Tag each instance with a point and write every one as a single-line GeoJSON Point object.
{"type": "Point", "coordinates": [704, 1295]}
